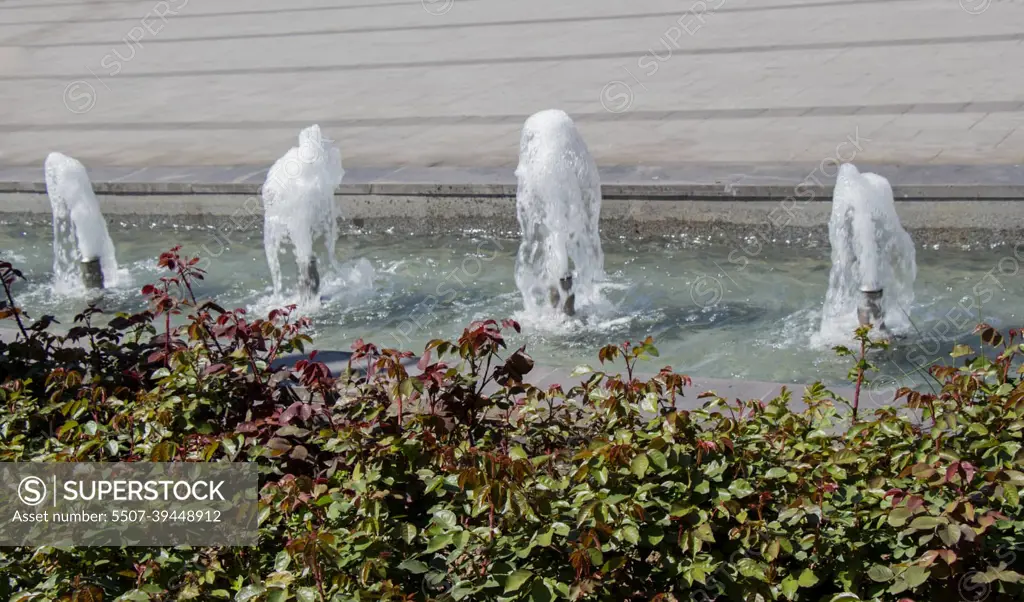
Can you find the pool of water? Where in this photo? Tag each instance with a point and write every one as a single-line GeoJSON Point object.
{"type": "Point", "coordinates": [731, 312]}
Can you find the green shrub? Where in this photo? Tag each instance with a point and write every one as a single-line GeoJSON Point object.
{"type": "Point", "coordinates": [464, 482]}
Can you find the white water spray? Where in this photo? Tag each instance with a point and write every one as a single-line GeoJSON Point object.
{"type": "Point", "coordinates": [558, 203]}
{"type": "Point", "coordinates": [79, 230]}
{"type": "Point", "coordinates": [871, 252]}
{"type": "Point", "coordinates": [299, 208]}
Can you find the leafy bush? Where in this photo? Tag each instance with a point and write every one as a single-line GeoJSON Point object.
{"type": "Point", "coordinates": [461, 481]}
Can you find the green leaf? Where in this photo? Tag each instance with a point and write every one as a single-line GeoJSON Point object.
{"type": "Point", "coordinates": [463, 590]}
{"type": "Point", "coordinates": [923, 523]}
{"type": "Point", "coordinates": [639, 465]}
{"type": "Point", "coordinates": [658, 459]}
{"type": "Point", "coordinates": [581, 370]}
{"type": "Point", "coordinates": [776, 473]}
{"type": "Point", "coordinates": [950, 535]}
{"type": "Point", "coordinates": [249, 592]}
{"type": "Point", "coordinates": [899, 517]}
{"type": "Point", "coordinates": [807, 578]}
{"type": "Point", "coordinates": [999, 573]}
{"type": "Point", "coordinates": [961, 350]}
{"type": "Point", "coordinates": [650, 403]}
{"type": "Point", "coordinates": [306, 594]}
{"type": "Point", "coordinates": [631, 534]}
{"type": "Point", "coordinates": [408, 532]}
{"type": "Point", "coordinates": [439, 542]}
{"type": "Point", "coordinates": [518, 453]}
{"type": "Point", "coordinates": [881, 574]}
{"type": "Point", "coordinates": [516, 580]}
{"type": "Point", "coordinates": [282, 560]}
{"type": "Point", "coordinates": [414, 566]}
{"type": "Point", "coordinates": [544, 539]}
{"type": "Point", "coordinates": [915, 575]}
{"type": "Point", "coordinates": [540, 592]}
{"type": "Point", "coordinates": [703, 532]}
{"type": "Point", "coordinates": [406, 388]}
{"type": "Point", "coordinates": [740, 488]}
{"type": "Point", "coordinates": [652, 536]}
{"type": "Point", "coordinates": [789, 587]}
{"type": "Point", "coordinates": [1016, 477]}
{"type": "Point", "coordinates": [446, 519]}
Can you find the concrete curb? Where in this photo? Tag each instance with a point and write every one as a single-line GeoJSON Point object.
{"type": "Point", "coordinates": [721, 203]}
{"type": "Point", "coordinates": [753, 182]}
{"type": "Point", "coordinates": [636, 192]}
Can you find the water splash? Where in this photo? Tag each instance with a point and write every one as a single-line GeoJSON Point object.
{"type": "Point", "coordinates": [558, 204]}
{"type": "Point", "coordinates": [79, 230]}
{"type": "Point", "coordinates": [870, 251]}
{"type": "Point", "coordinates": [299, 207]}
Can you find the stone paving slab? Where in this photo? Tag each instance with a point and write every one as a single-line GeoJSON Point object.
{"type": "Point", "coordinates": [448, 83]}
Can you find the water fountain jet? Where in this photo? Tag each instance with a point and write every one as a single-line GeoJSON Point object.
{"type": "Point", "coordinates": [873, 259]}
{"type": "Point", "coordinates": [79, 231]}
{"type": "Point", "coordinates": [299, 208]}
{"type": "Point", "coordinates": [558, 205]}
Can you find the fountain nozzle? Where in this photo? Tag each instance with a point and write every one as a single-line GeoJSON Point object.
{"type": "Point", "coordinates": [869, 311]}
{"type": "Point", "coordinates": [569, 307]}
{"type": "Point", "coordinates": [92, 273]}
{"type": "Point", "coordinates": [309, 278]}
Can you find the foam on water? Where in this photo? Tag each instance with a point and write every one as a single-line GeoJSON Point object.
{"type": "Point", "coordinates": [348, 285]}
{"type": "Point", "coordinates": [558, 204]}
{"type": "Point", "coordinates": [870, 250]}
{"type": "Point", "coordinates": [79, 230]}
{"type": "Point", "coordinates": [298, 204]}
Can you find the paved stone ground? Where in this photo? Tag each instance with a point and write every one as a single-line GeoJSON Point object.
{"type": "Point", "coordinates": [449, 82]}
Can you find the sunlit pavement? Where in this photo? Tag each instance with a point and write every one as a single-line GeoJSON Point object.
{"type": "Point", "coordinates": [449, 82]}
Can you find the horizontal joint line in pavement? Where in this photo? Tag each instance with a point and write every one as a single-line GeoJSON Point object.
{"type": "Point", "coordinates": [509, 60]}
{"type": "Point", "coordinates": [932, 108]}
{"type": "Point", "coordinates": [445, 25]}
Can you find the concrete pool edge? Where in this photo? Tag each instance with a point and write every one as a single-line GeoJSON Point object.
{"type": "Point", "coordinates": [779, 203]}
{"type": "Point", "coordinates": [753, 182]}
